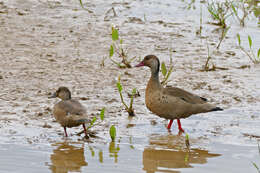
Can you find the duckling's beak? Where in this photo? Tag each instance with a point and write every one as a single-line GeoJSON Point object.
{"type": "Point", "coordinates": [54, 95]}
{"type": "Point", "coordinates": [140, 64]}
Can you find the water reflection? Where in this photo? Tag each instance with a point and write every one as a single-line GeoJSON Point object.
{"type": "Point", "coordinates": [67, 158]}
{"type": "Point", "coordinates": [113, 150]}
{"type": "Point", "coordinates": [172, 155]}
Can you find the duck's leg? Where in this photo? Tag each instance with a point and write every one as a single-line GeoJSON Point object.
{"type": "Point", "coordinates": [179, 125]}
{"type": "Point", "coordinates": [169, 125]}
{"type": "Point", "coordinates": [65, 131]}
{"type": "Point", "coordinates": [85, 130]}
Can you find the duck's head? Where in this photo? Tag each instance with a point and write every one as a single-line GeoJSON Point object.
{"type": "Point", "coordinates": [150, 61]}
{"type": "Point", "coordinates": [63, 93]}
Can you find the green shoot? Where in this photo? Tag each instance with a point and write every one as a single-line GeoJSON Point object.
{"type": "Point", "coordinates": [255, 58]}
{"type": "Point", "coordinates": [112, 132]}
{"type": "Point", "coordinates": [114, 34]}
{"type": "Point", "coordinates": [257, 168]}
{"type": "Point", "coordinates": [117, 48]}
{"type": "Point", "coordinates": [93, 121]}
{"type": "Point", "coordinates": [81, 4]}
{"type": "Point", "coordinates": [129, 108]}
{"type": "Point", "coordinates": [223, 35]}
{"type": "Point", "coordinates": [187, 141]}
{"type": "Point", "coordinates": [220, 11]}
{"type": "Point", "coordinates": [166, 73]}
{"type": "Point", "coordinates": [250, 41]}
{"type": "Point", "coordinates": [102, 113]}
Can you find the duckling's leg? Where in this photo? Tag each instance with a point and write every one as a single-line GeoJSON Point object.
{"type": "Point", "coordinates": [169, 125]}
{"type": "Point", "coordinates": [179, 125]}
{"type": "Point", "coordinates": [65, 131]}
{"type": "Point", "coordinates": [85, 130]}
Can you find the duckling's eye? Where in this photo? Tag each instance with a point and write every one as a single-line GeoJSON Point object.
{"type": "Point", "coordinates": [146, 58]}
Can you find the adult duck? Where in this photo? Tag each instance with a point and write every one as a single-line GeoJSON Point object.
{"type": "Point", "coordinates": [69, 112]}
{"type": "Point", "coordinates": [171, 102]}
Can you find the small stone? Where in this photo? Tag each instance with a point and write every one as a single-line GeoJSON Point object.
{"type": "Point", "coordinates": [46, 126]}
{"type": "Point", "coordinates": [40, 114]}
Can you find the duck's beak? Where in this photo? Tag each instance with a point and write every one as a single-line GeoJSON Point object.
{"type": "Point", "coordinates": [54, 95]}
{"type": "Point", "coordinates": [140, 64]}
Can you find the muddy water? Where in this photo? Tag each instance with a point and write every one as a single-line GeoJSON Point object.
{"type": "Point", "coordinates": [46, 44]}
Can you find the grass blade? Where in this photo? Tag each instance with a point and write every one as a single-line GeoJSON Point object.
{"type": "Point", "coordinates": [102, 114]}
{"type": "Point", "coordinates": [234, 9]}
{"type": "Point", "coordinates": [250, 41]}
{"type": "Point", "coordinates": [119, 86]}
{"type": "Point", "coordinates": [258, 53]}
{"type": "Point", "coordinates": [112, 133]}
{"type": "Point", "coordinates": [114, 34]}
{"type": "Point", "coordinates": [239, 40]}
{"type": "Point", "coordinates": [93, 121]}
{"type": "Point", "coordinates": [163, 68]}
{"type": "Point", "coordinates": [111, 51]}
{"type": "Point", "coordinates": [80, 1]}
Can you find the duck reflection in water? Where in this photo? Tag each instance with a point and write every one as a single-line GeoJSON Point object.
{"type": "Point", "coordinates": [67, 158]}
{"type": "Point", "coordinates": [172, 155]}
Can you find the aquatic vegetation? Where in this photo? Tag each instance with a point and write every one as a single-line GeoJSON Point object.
{"type": "Point", "coordinates": [166, 73]}
{"type": "Point", "coordinates": [207, 66]}
{"type": "Point", "coordinates": [112, 132]}
{"type": "Point", "coordinates": [93, 123]}
{"type": "Point", "coordinates": [117, 48]}
{"type": "Point", "coordinates": [129, 108]}
{"type": "Point", "coordinates": [254, 57]}
{"type": "Point", "coordinates": [254, 164]}
{"type": "Point", "coordinates": [243, 8]}
{"type": "Point", "coordinates": [187, 142]}
{"type": "Point", "coordinates": [94, 119]}
{"type": "Point", "coordinates": [81, 4]}
{"type": "Point", "coordinates": [220, 11]}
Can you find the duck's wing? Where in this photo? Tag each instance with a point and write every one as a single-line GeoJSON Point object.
{"type": "Point", "coordinates": [184, 95]}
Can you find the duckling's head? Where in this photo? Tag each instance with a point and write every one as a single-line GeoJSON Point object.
{"type": "Point", "coordinates": [150, 61]}
{"type": "Point", "coordinates": [63, 93]}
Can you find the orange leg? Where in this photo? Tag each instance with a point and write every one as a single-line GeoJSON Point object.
{"type": "Point", "coordinates": [179, 125]}
{"type": "Point", "coordinates": [170, 124]}
{"type": "Point", "coordinates": [65, 131]}
{"type": "Point", "coordinates": [85, 130]}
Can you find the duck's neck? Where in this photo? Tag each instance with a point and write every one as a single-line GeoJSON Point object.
{"type": "Point", "coordinates": [154, 82]}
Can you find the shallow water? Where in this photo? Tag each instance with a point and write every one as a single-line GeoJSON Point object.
{"type": "Point", "coordinates": [46, 44]}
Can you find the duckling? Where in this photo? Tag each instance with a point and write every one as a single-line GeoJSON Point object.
{"type": "Point", "coordinates": [171, 102]}
{"type": "Point", "coordinates": [69, 112]}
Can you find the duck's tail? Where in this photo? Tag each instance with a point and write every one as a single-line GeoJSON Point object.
{"type": "Point", "coordinates": [217, 109]}
{"type": "Point", "coordinates": [84, 121]}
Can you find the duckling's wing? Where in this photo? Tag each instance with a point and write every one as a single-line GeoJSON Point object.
{"type": "Point", "coordinates": [184, 95]}
{"type": "Point", "coordinates": [72, 107]}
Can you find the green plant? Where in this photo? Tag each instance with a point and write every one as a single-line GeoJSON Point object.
{"type": "Point", "coordinates": [81, 4]}
{"type": "Point", "coordinates": [206, 66]}
{"type": "Point", "coordinates": [112, 132]}
{"type": "Point", "coordinates": [166, 73]}
{"type": "Point", "coordinates": [223, 35]}
{"type": "Point", "coordinates": [255, 58]}
{"type": "Point", "coordinates": [220, 11]}
{"type": "Point", "coordinates": [254, 164]}
{"type": "Point", "coordinates": [187, 141]}
{"type": "Point", "coordinates": [242, 8]}
{"type": "Point", "coordinates": [94, 119]}
{"type": "Point", "coordinates": [92, 123]}
{"type": "Point", "coordinates": [129, 108]}
{"type": "Point", "coordinates": [117, 47]}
